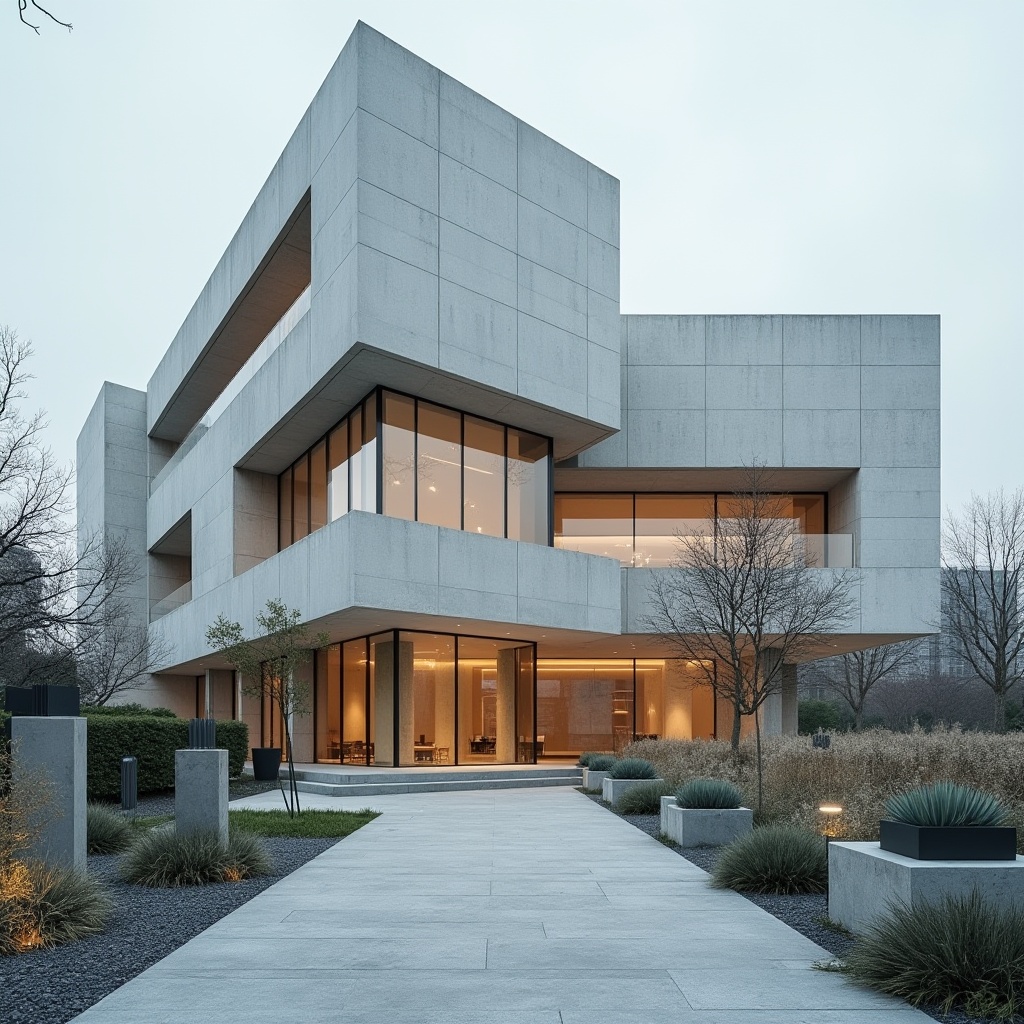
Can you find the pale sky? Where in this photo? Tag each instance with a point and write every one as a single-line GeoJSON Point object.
{"type": "Point", "coordinates": [775, 157]}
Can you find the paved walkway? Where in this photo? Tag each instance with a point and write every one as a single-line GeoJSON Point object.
{"type": "Point", "coordinates": [501, 907]}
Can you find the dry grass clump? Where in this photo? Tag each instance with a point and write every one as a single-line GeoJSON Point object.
{"type": "Point", "coordinates": [860, 771]}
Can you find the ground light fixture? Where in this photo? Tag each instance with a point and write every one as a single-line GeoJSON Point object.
{"type": "Point", "coordinates": [830, 813]}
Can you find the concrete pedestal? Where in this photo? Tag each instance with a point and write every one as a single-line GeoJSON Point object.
{"type": "Point", "coordinates": [863, 880]}
{"type": "Point", "coordinates": [54, 750]}
{"type": "Point", "coordinates": [592, 779]}
{"type": "Point", "coordinates": [704, 826]}
{"type": "Point", "coordinates": [612, 789]}
{"type": "Point", "coordinates": [201, 792]}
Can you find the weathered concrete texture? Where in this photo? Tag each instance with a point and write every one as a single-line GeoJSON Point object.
{"type": "Point", "coordinates": [594, 780]}
{"type": "Point", "coordinates": [863, 880]}
{"type": "Point", "coordinates": [53, 751]}
{"type": "Point", "coordinates": [201, 792]}
{"type": "Point", "coordinates": [612, 789]}
{"type": "Point", "coordinates": [695, 826]}
{"type": "Point", "coordinates": [513, 907]}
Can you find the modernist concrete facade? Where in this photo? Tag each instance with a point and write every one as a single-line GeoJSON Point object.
{"type": "Point", "coordinates": [425, 293]}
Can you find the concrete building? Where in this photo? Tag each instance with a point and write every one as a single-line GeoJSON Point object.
{"type": "Point", "coordinates": [407, 404]}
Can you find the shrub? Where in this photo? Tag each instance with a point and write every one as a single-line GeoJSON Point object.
{"type": "Point", "coordinates": [43, 906]}
{"type": "Point", "coordinates": [813, 715]}
{"type": "Point", "coordinates": [153, 739]}
{"type": "Point", "coordinates": [108, 831]}
{"type": "Point", "coordinates": [586, 757]}
{"type": "Point", "coordinates": [632, 768]}
{"type": "Point", "coordinates": [125, 709]}
{"type": "Point", "coordinates": [709, 793]}
{"type": "Point", "coordinates": [601, 762]}
{"type": "Point", "coordinates": [960, 951]}
{"type": "Point", "coordinates": [644, 798]}
{"type": "Point", "coordinates": [945, 803]}
{"type": "Point", "coordinates": [162, 858]}
{"type": "Point", "coordinates": [776, 859]}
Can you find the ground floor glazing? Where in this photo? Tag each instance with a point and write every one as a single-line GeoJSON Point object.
{"type": "Point", "coordinates": [406, 698]}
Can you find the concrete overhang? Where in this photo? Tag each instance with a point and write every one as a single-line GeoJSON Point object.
{"type": "Point", "coordinates": [696, 480]}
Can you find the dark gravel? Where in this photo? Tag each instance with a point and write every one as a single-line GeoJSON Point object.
{"type": "Point", "coordinates": [52, 986]}
{"type": "Point", "coordinates": [803, 913]}
{"type": "Point", "coordinates": [153, 804]}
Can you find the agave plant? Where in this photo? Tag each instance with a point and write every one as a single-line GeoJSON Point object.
{"type": "Point", "coordinates": [944, 804]}
{"type": "Point", "coordinates": [709, 793]}
{"type": "Point", "coordinates": [632, 768]}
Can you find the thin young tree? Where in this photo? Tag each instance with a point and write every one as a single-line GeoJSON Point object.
{"type": "Point", "coordinates": [982, 576]}
{"type": "Point", "coordinates": [852, 677]}
{"type": "Point", "coordinates": [743, 596]}
{"type": "Point", "coordinates": [268, 663]}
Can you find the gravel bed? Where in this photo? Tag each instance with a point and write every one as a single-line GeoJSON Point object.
{"type": "Point", "coordinates": [52, 986]}
{"type": "Point", "coordinates": [153, 804]}
{"type": "Point", "coordinates": [803, 913]}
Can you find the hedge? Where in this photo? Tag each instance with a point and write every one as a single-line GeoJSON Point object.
{"type": "Point", "coordinates": [126, 709]}
{"type": "Point", "coordinates": [153, 739]}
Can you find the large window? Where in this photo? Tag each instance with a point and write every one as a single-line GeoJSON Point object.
{"type": "Point", "coordinates": [412, 698]}
{"type": "Point", "coordinates": [643, 529]}
{"type": "Point", "coordinates": [437, 465]}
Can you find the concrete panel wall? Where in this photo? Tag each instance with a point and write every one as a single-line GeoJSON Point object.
{"type": "Point", "coordinates": [366, 561]}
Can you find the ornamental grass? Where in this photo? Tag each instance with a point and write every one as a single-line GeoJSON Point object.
{"type": "Point", "coordinates": [860, 772]}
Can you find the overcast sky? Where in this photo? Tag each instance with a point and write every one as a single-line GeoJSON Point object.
{"type": "Point", "coordinates": [775, 157]}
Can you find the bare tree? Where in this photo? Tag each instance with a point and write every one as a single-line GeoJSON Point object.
{"type": "Point", "coordinates": [853, 676]}
{"type": "Point", "coordinates": [743, 596]}
{"type": "Point", "coordinates": [983, 572]}
{"type": "Point", "coordinates": [116, 652]}
{"type": "Point", "coordinates": [53, 590]}
{"type": "Point", "coordinates": [268, 663]}
{"type": "Point", "coordinates": [23, 6]}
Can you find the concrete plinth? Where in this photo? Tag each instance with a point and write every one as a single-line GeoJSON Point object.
{"type": "Point", "coordinates": [704, 826]}
{"type": "Point", "coordinates": [201, 792]}
{"type": "Point", "coordinates": [54, 750]}
{"type": "Point", "coordinates": [592, 779]}
{"type": "Point", "coordinates": [863, 880]}
{"type": "Point", "coordinates": [612, 789]}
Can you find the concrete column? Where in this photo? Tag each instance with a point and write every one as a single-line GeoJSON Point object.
{"type": "Point", "coordinates": [53, 750]}
{"type": "Point", "coordinates": [208, 694]}
{"type": "Point", "coordinates": [406, 711]}
{"type": "Point", "coordinates": [790, 701]}
{"type": "Point", "coordinates": [201, 792]}
{"type": "Point", "coordinates": [505, 707]}
{"type": "Point", "coordinates": [444, 708]}
{"type": "Point", "coordinates": [384, 703]}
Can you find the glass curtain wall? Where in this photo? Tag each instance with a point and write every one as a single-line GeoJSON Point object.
{"type": "Point", "coordinates": [459, 700]}
{"type": "Point", "coordinates": [642, 529]}
{"type": "Point", "coordinates": [437, 465]}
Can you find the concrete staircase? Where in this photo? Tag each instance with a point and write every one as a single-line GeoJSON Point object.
{"type": "Point", "coordinates": [328, 781]}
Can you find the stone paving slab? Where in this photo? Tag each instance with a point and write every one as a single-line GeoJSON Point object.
{"type": "Point", "coordinates": [495, 907]}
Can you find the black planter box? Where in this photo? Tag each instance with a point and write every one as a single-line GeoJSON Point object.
{"type": "Point", "coordinates": [931, 842]}
{"type": "Point", "coordinates": [266, 763]}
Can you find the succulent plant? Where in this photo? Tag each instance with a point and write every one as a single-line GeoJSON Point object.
{"type": "Point", "coordinates": [632, 768]}
{"type": "Point", "coordinates": [601, 762]}
{"type": "Point", "coordinates": [944, 804]}
{"type": "Point", "coordinates": [708, 793]}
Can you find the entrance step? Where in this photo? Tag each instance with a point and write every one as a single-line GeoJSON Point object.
{"type": "Point", "coordinates": [417, 780]}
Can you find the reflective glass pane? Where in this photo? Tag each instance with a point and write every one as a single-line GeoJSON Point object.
{"type": "Point", "coordinates": [528, 749]}
{"type": "Point", "coordinates": [484, 477]}
{"type": "Point", "coordinates": [599, 524]}
{"type": "Point", "coordinates": [661, 519]}
{"type": "Point", "coordinates": [584, 705]}
{"type": "Point", "coordinates": [284, 521]}
{"type": "Point", "coordinates": [357, 457]}
{"type": "Point", "coordinates": [300, 498]}
{"type": "Point", "coordinates": [439, 466]}
{"type": "Point", "coordinates": [487, 701]}
{"type": "Point", "coordinates": [651, 711]}
{"type": "Point", "coordinates": [354, 747]}
{"type": "Point", "coordinates": [399, 439]}
{"type": "Point", "coordinates": [528, 472]}
{"type": "Point", "coordinates": [426, 684]}
{"type": "Point", "coordinates": [328, 705]}
{"type": "Point", "coordinates": [318, 486]}
{"type": "Point", "coordinates": [368, 465]}
{"type": "Point", "coordinates": [337, 463]}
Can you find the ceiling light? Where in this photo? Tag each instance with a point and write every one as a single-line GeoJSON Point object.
{"type": "Point", "coordinates": [432, 488]}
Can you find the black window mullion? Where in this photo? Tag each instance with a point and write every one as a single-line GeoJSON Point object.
{"type": "Point", "coordinates": [366, 715]}
{"type": "Point", "coordinates": [505, 484]}
{"type": "Point", "coordinates": [395, 702]}
{"type": "Point", "coordinates": [462, 471]}
{"type": "Point", "coordinates": [455, 702]}
{"type": "Point", "coordinates": [415, 460]}
{"type": "Point", "coordinates": [379, 469]}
